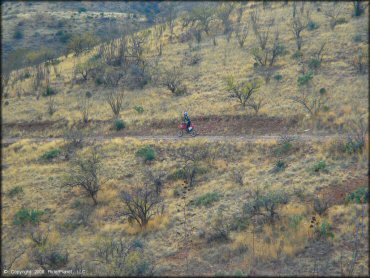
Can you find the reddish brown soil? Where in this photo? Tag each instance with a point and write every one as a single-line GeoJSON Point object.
{"type": "Point", "coordinates": [335, 195]}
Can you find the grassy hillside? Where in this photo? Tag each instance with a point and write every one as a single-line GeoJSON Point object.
{"type": "Point", "coordinates": [215, 207]}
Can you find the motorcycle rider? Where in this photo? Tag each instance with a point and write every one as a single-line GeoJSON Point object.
{"type": "Point", "coordinates": [187, 120]}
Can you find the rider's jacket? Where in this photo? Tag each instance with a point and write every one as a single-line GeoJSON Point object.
{"type": "Point", "coordinates": [186, 119]}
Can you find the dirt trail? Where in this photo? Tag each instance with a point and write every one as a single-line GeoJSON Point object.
{"type": "Point", "coordinates": [214, 138]}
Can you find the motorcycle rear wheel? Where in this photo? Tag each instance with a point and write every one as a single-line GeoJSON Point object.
{"type": "Point", "coordinates": [180, 133]}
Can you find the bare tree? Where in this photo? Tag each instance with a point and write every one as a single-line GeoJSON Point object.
{"type": "Point", "coordinates": [137, 48]}
{"type": "Point", "coordinates": [85, 172]}
{"type": "Point", "coordinates": [298, 24]}
{"type": "Point", "coordinates": [51, 105]}
{"type": "Point", "coordinates": [261, 34]}
{"type": "Point", "coordinates": [360, 61]}
{"type": "Point", "coordinates": [170, 16]}
{"type": "Point", "coordinates": [223, 13]}
{"type": "Point", "coordinates": [358, 129]}
{"type": "Point", "coordinates": [172, 79]}
{"type": "Point", "coordinates": [203, 16]}
{"type": "Point", "coordinates": [242, 91]}
{"type": "Point", "coordinates": [311, 100]}
{"type": "Point", "coordinates": [84, 69]}
{"type": "Point", "coordinates": [267, 57]}
{"type": "Point", "coordinates": [140, 204]}
{"type": "Point", "coordinates": [120, 257]}
{"type": "Point", "coordinates": [84, 107]}
{"type": "Point", "coordinates": [156, 178]}
{"type": "Point", "coordinates": [255, 104]}
{"type": "Point", "coordinates": [115, 101]}
{"type": "Point", "coordinates": [333, 12]}
{"type": "Point", "coordinates": [241, 34]}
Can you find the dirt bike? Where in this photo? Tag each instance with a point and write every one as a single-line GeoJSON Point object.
{"type": "Point", "coordinates": [183, 129]}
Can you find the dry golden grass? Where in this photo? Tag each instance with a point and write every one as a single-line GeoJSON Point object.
{"type": "Point", "coordinates": [41, 181]}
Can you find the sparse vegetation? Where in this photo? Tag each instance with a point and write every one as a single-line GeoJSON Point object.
{"type": "Point", "coordinates": [275, 182]}
{"type": "Point", "coordinates": [119, 124]}
{"type": "Point", "coordinates": [147, 153]}
{"type": "Point", "coordinates": [84, 172]}
{"type": "Point", "coordinates": [207, 199]}
{"type": "Point", "coordinates": [27, 216]}
{"type": "Point", "coordinates": [49, 155]}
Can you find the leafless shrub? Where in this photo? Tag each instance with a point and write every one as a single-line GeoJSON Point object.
{"type": "Point", "coordinates": [223, 13]}
{"type": "Point", "coordinates": [242, 91]}
{"type": "Point", "coordinates": [220, 230]}
{"type": "Point", "coordinates": [311, 100]}
{"type": "Point", "coordinates": [255, 104]}
{"type": "Point", "coordinates": [361, 62]}
{"type": "Point", "coordinates": [51, 105]}
{"type": "Point", "coordinates": [85, 172]}
{"type": "Point", "coordinates": [298, 24]}
{"type": "Point", "coordinates": [120, 257]}
{"type": "Point", "coordinates": [156, 178]}
{"type": "Point", "coordinates": [262, 34]}
{"type": "Point", "coordinates": [85, 69]}
{"type": "Point", "coordinates": [333, 12]}
{"type": "Point", "coordinates": [115, 101]}
{"type": "Point", "coordinates": [358, 129]}
{"type": "Point", "coordinates": [202, 16]}
{"type": "Point", "coordinates": [320, 205]}
{"type": "Point", "coordinates": [50, 258]}
{"type": "Point", "coordinates": [84, 107]}
{"type": "Point", "coordinates": [238, 177]}
{"type": "Point", "coordinates": [140, 204]}
{"type": "Point", "coordinates": [74, 137]}
{"type": "Point", "coordinates": [241, 34]}
{"type": "Point", "coordinates": [172, 79]}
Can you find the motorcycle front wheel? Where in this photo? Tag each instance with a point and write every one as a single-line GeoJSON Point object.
{"type": "Point", "coordinates": [180, 133]}
{"type": "Point", "coordinates": [193, 132]}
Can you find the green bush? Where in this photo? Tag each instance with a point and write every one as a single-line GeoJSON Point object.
{"type": "Point", "coordinates": [341, 20]}
{"type": "Point", "coordinates": [27, 216]}
{"type": "Point", "coordinates": [147, 152]}
{"type": "Point", "coordinates": [181, 90]}
{"type": "Point", "coordinates": [357, 38]}
{"type": "Point", "coordinates": [49, 91]}
{"type": "Point", "coordinates": [207, 199]}
{"type": "Point", "coordinates": [82, 10]}
{"type": "Point", "coordinates": [294, 221]}
{"type": "Point", "coordinates": [278, 77]}
{"type": "Point", "coordinates": [314, 64]}
{"type": "Point", "coordinates": [139, 109]}
{"type": "Point", "coordinates": [267, 202]}
{"type": "Point", "coordinates": [324, 230]}
{"type": "Point", "coordinates": [319, 166]}
{"type": "Point", "coordinates": [49, 155]}
{"type": "Point", "coordinates": [359, 196]}
{"type": "Point", "coordinates": [297, 55]}
{"type": "Point", "coordinates": [15, 191]}
{"type": "Point", "coordinates": [178, 174]}
{"type": "Point", "coordinates": [18, 34]}
{"type": "Point", "coordinates": [283, 148]}
{"type": "Point", "coordinates": [352, 146]}
{"type": "Point", "coordinates": [119, 124]}
{"type": "Point", "coordinates": [312, 25]}
{"type": "Point", "coordinates": [305, 78]}
{"type": "Point", "coordinates": [99, 80]}
{"type": "Point", "coordinates": [280, 165]}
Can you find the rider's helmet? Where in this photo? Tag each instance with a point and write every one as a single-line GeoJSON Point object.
{"type": "Point", "coordinates": [185, 113]}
